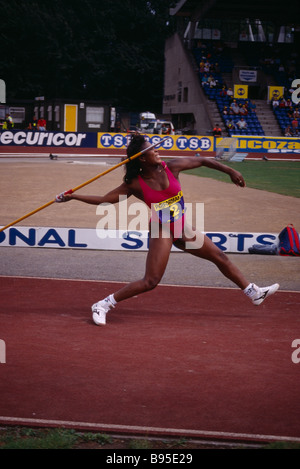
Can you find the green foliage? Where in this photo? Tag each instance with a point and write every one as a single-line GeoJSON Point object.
{"type": "Point", "coordinates": [62, 438]}
{"type": "Point", "coordinates": [56, 438]}
{"type": "Point", "coordinates": [84, 49]}
{"type": "Point", "coordinates": [283, 445]}
{"type": "Point", "coordinates": [35, 439]}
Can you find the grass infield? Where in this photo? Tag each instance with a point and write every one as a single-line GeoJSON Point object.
{"type": "Point", "coordinates": [281, 177]}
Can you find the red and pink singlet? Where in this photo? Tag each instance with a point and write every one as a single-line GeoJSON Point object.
{"type": "Point", "coordinates": [167, 206]}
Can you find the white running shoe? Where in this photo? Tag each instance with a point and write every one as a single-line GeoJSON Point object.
{"type": "Point", "coordinates": [100, 310]}
{"type": "Point", "coordinates": [259, 294]}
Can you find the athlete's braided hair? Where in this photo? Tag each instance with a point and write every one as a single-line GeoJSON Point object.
{"type": "Point", "coordinates": [133, 167]}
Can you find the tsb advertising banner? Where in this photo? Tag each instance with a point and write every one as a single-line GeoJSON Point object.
{"type": "Point", "coordinates": [174, 142]}
{"type": "Point", "coordinates": [118, 240]}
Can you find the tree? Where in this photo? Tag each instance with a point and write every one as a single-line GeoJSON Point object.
{"type": "Point", "coordinates": [86, 49]}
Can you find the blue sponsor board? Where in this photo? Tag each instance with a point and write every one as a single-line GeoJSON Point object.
{"type": "Point", "coordinates": [117, 141]}
{"type": "Point", "coordinates": [48, 139]}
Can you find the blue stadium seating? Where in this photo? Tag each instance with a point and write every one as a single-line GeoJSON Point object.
{"type": "Point", "coordinates": [225, 65]}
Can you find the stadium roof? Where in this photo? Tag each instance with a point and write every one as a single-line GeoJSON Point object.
{"type": "Point", "coordinates": [276, 11]}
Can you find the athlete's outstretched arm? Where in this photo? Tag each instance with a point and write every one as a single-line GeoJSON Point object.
{"type": "Point", "coordinates": [111, 197]}
{"type": "Point", "coordinates": [197, 161]}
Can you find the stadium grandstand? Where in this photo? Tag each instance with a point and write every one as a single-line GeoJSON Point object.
{"type": "Point", "coordinates": [233, 64]}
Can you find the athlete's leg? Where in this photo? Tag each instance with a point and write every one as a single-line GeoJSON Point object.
{"type": "Point", "coordinates": [156, 263]}
{"type": "Point", "coordinates": [201, 246]}
{"type": "Point", "coordinates": [157, 260]}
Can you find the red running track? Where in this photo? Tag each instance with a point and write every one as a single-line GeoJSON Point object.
{"type": "Point", "coordinates": [178, 361]}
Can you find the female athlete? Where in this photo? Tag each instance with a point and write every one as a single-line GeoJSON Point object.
{"type": "Point", "coordinates": [156, 183]}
